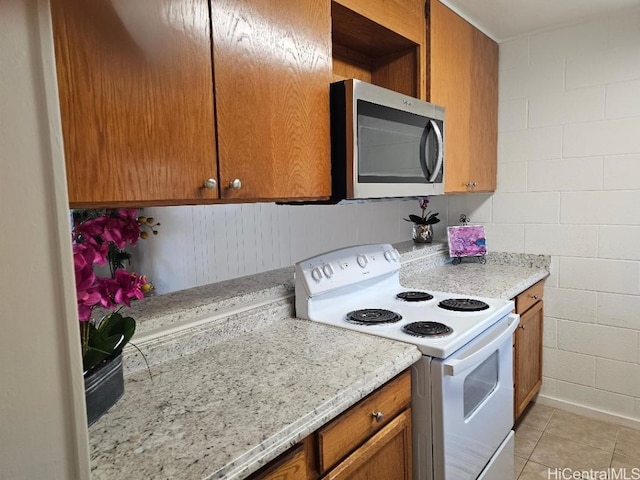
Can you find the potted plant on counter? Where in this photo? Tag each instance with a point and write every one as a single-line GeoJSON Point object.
{"type": "Point", "coordinates": [99, 237]}
{"type": "Point", "coordinates": [422, 224]}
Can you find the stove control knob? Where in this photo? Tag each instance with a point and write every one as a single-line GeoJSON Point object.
{"type": "Point", "coordinates": [328, 270]}
{"type": "Point", "coordinates": [316, 274]}
{"type": "Point", "coordinates": [388, 255]}
{"type": "Point", "coordinates": [362, 260]}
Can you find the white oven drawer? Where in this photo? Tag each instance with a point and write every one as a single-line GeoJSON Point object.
{"type": "Point", "coordinates": [501, 465]}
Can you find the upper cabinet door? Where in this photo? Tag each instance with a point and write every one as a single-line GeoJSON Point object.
{"type": "Point", "coordinates": [483, 127]}
{"type": "Point", "coordinates": [450, 86]}
{"type": "Point", "coordinates": [464, 79]}
{"type": "Point", "coordinates": [136, 100]}
{"type": "Point", "coordinates": [272, 69]}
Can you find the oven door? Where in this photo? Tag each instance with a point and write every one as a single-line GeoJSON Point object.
{"type": "Point", "coordinates": [472, 402]}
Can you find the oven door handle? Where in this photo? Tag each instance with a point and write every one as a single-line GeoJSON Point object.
{"type": "Point", "coordinates": [483, 349]}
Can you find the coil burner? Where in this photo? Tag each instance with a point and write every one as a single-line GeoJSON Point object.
{"type": "Point", "coordinates": [463, 305]}
{"type": "Point", "coordinates": [427, 329]}
{"type": "Point", "coordinates": [413, 296]}
{"type": "Point", "coordinates": [373, 316]}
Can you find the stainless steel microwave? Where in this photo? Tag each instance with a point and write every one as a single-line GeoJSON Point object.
{"type": "Point", "coordinates": [383, 143]}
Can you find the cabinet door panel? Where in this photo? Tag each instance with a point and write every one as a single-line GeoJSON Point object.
{"type": "Point", "coordinates": [136, 100]}
{"type": "Point", "coordinates": [464, 79]}
{"type": "Point", "coordinates": [483, 126]}
{"type": "Point", "coordinates": [385, 456]}
{"type": "Point", "coordinates": [272, 69]}
{"type": "Point", "coordinates": [528, 357]}
{"type": "Point", "coordinates": [450, 86]}
{"type": "Point", "coordinates": [292, 467]}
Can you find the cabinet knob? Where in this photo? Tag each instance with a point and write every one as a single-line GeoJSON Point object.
{"type": "Point", "coordinates": [236, 184]}
{"type": "Point", "coordinates": [522, 327]}
{"type": "Point", "coordinates": [535, 297]}
{"type": "Point", "coordinates": [377, 415]}
{"type": "Point", "coordinates": [210, 183]}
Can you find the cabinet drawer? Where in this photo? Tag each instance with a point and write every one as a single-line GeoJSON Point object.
{"type": "Point", "coordinates": [346, 432]}
{"type": "Point", "coordinates": [292, 466]}
{"type": "Point", "coordinates": [385, 456]}
{"type": "Point", "coordinates": [531, 295]}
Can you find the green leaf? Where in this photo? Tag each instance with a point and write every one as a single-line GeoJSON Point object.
{"type": "Point", "coordinates": [417, 219]}
{"type": "Point", "coordinates": [113, 333]}
{"type": "Point", "coordinates": [116, 324]}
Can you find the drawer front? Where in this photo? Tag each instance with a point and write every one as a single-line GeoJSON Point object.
{"type": "Point", "coordinates": [531, 295]}
{"type": "Point", "coordinates": [346, 432]}
{"type": "Point", "coordinates": [293, 466]}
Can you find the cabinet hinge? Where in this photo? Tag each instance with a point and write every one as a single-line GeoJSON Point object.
{"type": "Point", "coordinates": [426, 9]}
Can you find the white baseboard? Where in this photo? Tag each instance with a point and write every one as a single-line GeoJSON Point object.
{"type": "Point", "coordinates": [588, 411]}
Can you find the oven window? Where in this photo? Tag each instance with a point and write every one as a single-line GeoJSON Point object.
{"type": "Point", "coordinates": [479, 384]}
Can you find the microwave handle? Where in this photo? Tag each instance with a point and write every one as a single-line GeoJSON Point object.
{"type": "Point", "coordinates": [484, 349]}
{"type": "Point", "coordinates": [440, 158]}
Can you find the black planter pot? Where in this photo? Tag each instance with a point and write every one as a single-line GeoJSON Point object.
{"type": "Point", "coordinates": [103, 387]}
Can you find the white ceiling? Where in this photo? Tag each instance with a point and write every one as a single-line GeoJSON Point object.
{"type": "Point", "coordinates": [506, 19]}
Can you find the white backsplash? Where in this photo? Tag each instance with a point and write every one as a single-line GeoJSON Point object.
{"type": "Point", "coordinates": [197, 245]}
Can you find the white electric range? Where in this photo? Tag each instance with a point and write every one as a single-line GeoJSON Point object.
{"type": "Point", "coordinates": [462, 399]}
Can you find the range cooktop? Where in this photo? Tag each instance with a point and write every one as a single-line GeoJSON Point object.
{"type": "Point", "coordinates": [365, 280]}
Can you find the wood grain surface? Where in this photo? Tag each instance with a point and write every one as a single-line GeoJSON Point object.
{"type": "Point", "coordinates": [531, 295]}
{"type": "Point", "coordinates": [136, 100]}
{"type": "Point", "coordinates": [528, 357]}
{"type": "Point", "coordinates": [272, 69]}
{"type": "Point", "coordinates": [405, 17]}
{"type": "Point", "coordinates": [339, 438]}
{"type": "Point", "coordinates": [463, 77]}
{"type": "Point", "coordinates": [385, 456]}
{"type": "Point", "coordinates": [292, 466]}
{"type": "Point", "coordinates": [370, 44]}
{"type": "Point", "coordinates": [483, 126]}
{"type": "Point", "coordinates": [450, 83]}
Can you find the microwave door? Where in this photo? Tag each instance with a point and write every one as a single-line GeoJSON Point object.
{"type": "Point", "coordinates": [432, 151]}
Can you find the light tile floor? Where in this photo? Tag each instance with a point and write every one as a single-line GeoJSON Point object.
{"type": "Point", "coordinates": [555, 444]}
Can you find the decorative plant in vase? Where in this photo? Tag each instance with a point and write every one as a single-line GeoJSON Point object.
{"type": "Point", "coordinates": [422, 225]}
{"type": "Point", "coordinates": [99, 237]}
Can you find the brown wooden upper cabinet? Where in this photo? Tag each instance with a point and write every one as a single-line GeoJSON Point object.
{"type": "Point", "coordinates": [191, 101]}
{"type": "Point", "coordinates": [429, 52]}
{"type": "Point", "coordinates": [463, 77]}
{"type": "Point", "coordinates": [380, 42]}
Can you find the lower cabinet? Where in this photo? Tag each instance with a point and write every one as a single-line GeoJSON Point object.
{"type": "Point", "coordinates": [386, 455]}
{"type": "Point", "coordinates": [527, 354]}
{"type": "Point", "coordinates": [370, 441]}
{"type": "Point", "coordinates": [291, 466]}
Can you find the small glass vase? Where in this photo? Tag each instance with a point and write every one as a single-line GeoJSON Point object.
{"type": "Point", "coordinates": [422, 233]}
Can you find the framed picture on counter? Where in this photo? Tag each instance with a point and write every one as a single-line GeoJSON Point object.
{"type": "Point", "coordinates": [467, 241]}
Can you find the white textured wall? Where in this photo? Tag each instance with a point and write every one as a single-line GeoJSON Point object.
{"type": "Point", "coordinates": [569, 187]}
{"type": "Point", "coordinates": [43, 432]}
{"type": "Point", "coordinates": [205, 244]}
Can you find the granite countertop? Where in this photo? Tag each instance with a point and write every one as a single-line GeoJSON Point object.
{"type": "Point", "coordinates": [503, 276]}
{"type": "Point", "coordinates": [237, 380]}
{"type": "Point", "coordinates": [227, 410]}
